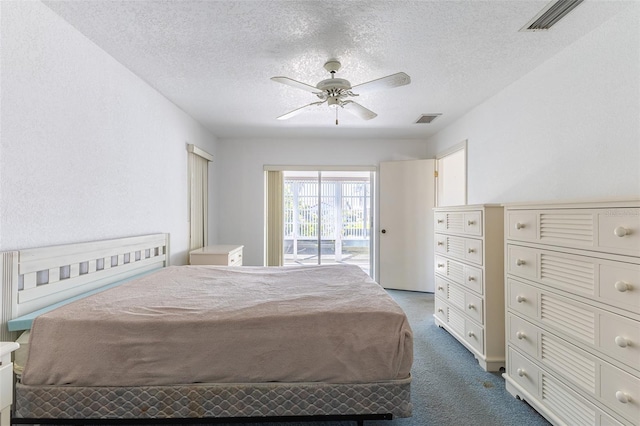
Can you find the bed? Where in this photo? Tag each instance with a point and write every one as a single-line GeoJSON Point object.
{"type": "Point", "coordinates": [198, 342]}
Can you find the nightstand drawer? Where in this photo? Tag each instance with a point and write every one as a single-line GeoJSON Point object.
{"type": "Point", "coordinates": [6, 385]}
{"type": "Point", "coordinates": [224, 255]}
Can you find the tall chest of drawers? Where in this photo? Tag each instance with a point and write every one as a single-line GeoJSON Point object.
{"type": "Point", "coordinates": [469, 279]}
{"type": "Point", "coordinates": [573, 310]}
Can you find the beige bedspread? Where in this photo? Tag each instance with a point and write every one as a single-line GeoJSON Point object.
{"type": "Point", "coordinates": [200, 324]}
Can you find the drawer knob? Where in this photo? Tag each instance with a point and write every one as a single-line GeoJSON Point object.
{"type": "Point", "coordinates": [440, 265]}
{"type": "Point", "coordinates": [622, 286]}
{"type": "Point", "coordinates": [521, 299]}
{"type": "Point", "coordinates": [471, 278]}
{"type": "Point", "coordinates": [623, 342]}
{"type": "Point", "coordinates": [521, 372]}
{"type": "Point", "coordinates": [440, 243]}
{"type": "Point", "coordinates": [471, 306]}
{"type": "Point", "coordinates": [440, 220]}
{"type": "Point", "coordinates": [623, 397]}
{"type": "Point", "coordinates": [471, 334]}
{"type": "Point", "coordinates": [440, 310]}
{"type": "Point", "coordinates": [519, 225]}
{"type": "Point", "coordinates": [621, 231]}
{"type": "Point", "coordinates": [521, 335]}
{"type": "Point", "coordinates": [520, 262]}
{"type": "Point", "coordinates": [471, 250]}
{"type": "Point", "coordinates": [471, 222]}
{"type": "Point", "coordinates": [440, 287]}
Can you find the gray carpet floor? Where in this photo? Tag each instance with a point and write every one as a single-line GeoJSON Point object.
{"type": "Point", "coordinates": [449, 387]}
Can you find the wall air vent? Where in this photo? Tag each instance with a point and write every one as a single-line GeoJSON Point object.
{"type": "Point", "coordinates": [427, 118]}
{"type": "Point", "coordinates": [550, 15]}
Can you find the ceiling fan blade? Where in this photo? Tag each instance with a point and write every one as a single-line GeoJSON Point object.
{"type": "Point", "coordinates": [388, 82]}
{"type": "Point", "coordinates": [358, 110]}
{"type": "Point", "coordinates": [294, 83]}
{"type": "Point", "coordinates": [299, 110]}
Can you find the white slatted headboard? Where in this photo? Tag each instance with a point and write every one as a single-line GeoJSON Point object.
{"type": "Point", "coordinates": [33, 279]}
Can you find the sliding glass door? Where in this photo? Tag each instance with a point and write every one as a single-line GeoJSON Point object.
{"type": "Point", "coordinates": [327, 217]}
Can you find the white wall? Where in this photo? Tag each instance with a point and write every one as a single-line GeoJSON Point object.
{"type": "Point", "coordinates": [239, 176]}
{"type": "Point", "coordinates": [88, 150]}
{"type": "Point", "coordinates": [569, 129]}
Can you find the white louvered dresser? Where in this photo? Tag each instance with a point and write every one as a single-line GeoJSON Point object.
{"type": "Point", "coordinates": [469, 279]}
{"type": "Point", "coordinates": [573, 310]}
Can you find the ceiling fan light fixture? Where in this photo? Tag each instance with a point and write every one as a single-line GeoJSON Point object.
{"type": "Point", "coordinates": [333, 102]}
{"type": "Point", "coordinates": [337, 91]}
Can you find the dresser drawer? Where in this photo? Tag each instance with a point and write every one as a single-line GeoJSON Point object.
{"type": "Point", "coordinates": [615, 230]}
{"type": "Point", "coordinates": [606, 332]}
{"type": "Point", "coordinates": [522, 262]}
{"type": "Point", "coordinates": [522, 298]}
{"type": "Point", "coordinates": [474, 307]}
{"type": "Point", "coordinates": [440, 310]}
{"type": "Point", "coordinates": [621, 391]}
{"type": "Point", "coordinates": [524, 372]}
{"type": "Point", "coordinates": [522, 225]}
{"type": "Point", "coordinates": [471, 304]}
{"type": "Point", "coordinates": [619, 337]}
{"type": "Point", "coordinates": [555, 354]}
{"type": "Point", "coordinates": [611, 282]}
{"type": "Point", "coordinates": [474, 335]}
{"type": "Point", "coordinates": [460, 273]}
{"type": "Point", "coordinates": [523, 335]}
{"type": "Point", "coordinates": [459, 222]}
{"type": "Point", "coordinates": [472, 223]}
{"type": "Point", "coordinates": [466, 249]}
{"type": "Point", "coordinates": [619, 285]}
{"type": "Point", "coordinates": [442, 287]}
{"type": "Point", "coordinates": [556, 394]}
{"type": "Point", "coordinates": [619, 229]}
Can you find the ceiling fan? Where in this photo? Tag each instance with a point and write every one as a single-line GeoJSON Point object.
{"type": "Point", "coordinates": [337, 91]}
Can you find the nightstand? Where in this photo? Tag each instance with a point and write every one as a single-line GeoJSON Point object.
{"type": "Point", "coordinates": [225, 255]}
{"type": "Point", "coordinates": [6, 381]}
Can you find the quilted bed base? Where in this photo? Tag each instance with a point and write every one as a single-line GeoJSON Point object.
{"type": "Point", "coordinates": [213, 400]}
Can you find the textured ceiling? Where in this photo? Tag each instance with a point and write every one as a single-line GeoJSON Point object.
{"type": "Point", "coordinates": [214, 59]}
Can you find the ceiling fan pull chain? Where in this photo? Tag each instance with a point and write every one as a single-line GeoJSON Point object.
{"type": "Point", "coordinates": [336, 116]}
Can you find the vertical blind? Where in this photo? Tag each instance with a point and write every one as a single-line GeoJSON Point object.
{"type": "Point", "coordinates": [198, 198]}
{"type": "Point", "coordinates": [274, 218]}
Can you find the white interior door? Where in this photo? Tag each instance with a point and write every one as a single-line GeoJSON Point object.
{"type": "Point", "coordinates": [407, 198]}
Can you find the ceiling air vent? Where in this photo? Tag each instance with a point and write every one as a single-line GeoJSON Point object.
{"type": "Point", "coordinates": [551, 14]}
{"type": "Point", "coordinates": [427, 118]}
